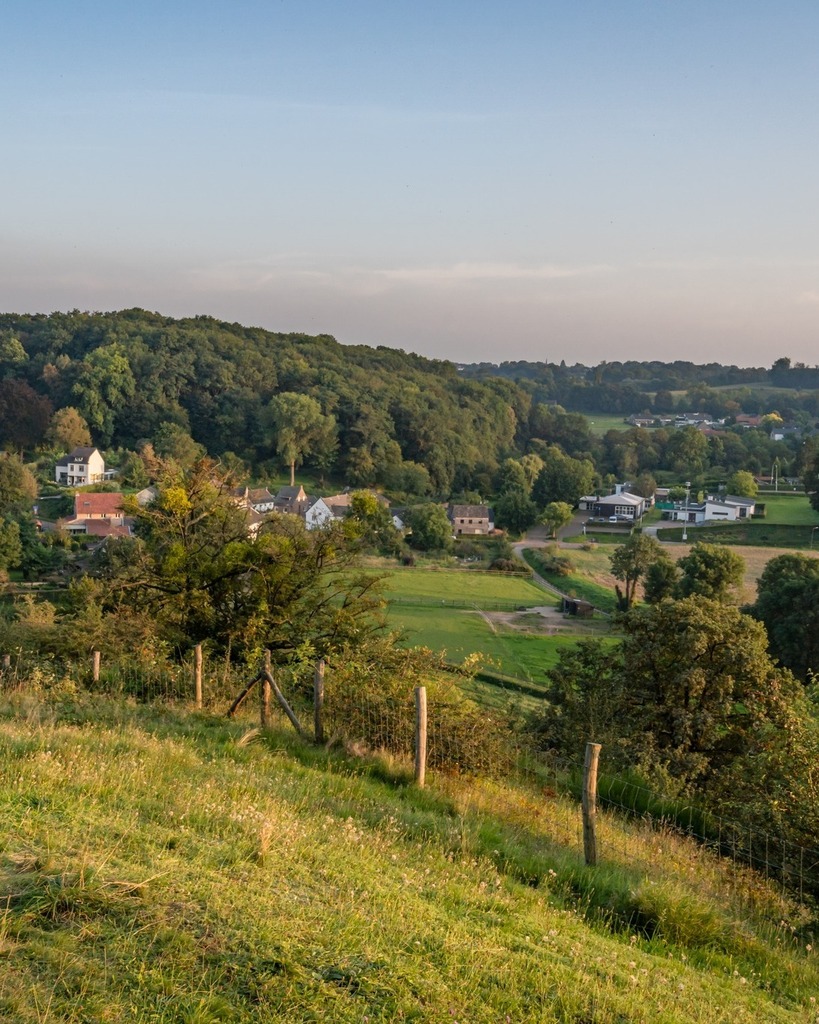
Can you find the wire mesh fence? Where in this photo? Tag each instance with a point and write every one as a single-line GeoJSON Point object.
{"type": "Point", "coordinates": [370, 716]}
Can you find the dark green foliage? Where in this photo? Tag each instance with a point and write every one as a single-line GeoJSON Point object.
{"type": "Point", "coordinates": [710, 570]}
{"type": "Point", "coordinates": [689, 692]}
{"type": "Point", "coordinates": [514, 511]}
{"type": "Point", "coordinates": [661, 579]}
{"type": "Point", "coordinates": [788, 605]}
{"type": "Point", "coordinates": [430, 526]}
{"type": "Point", "coordinates": [562, 478]}
{"type": "Point", "coordinates": [629, 564]}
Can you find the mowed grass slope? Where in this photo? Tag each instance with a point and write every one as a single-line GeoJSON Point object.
{"type": "Point", "coordinates": [432, 607]}
{"type": "Point", "coordinates": [788, 510]}
{"type": "Point", "coordinates": [156, 869]}
{"type": "Point", "coordinates": [465, 586]}
{"type": "Point", "coordinates": [461, 633]}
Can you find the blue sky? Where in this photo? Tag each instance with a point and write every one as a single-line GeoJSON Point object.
{"type": "Point", "coordinates": [471, 180]}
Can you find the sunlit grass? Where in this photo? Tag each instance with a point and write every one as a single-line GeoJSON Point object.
{"type": "Point", "coordinates": [155, 869]}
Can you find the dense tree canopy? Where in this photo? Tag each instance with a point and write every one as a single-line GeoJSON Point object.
{"type": "Point", "coordinates": [710, 570]}
{"type": "Point", "coordinates": [379, 417]}
{"type": "Point", "coordinates": [199, 571]}
{"type": "Point", "coordinates": [788, 605]}
{"type": "Point", "coordinates": [689, 692]}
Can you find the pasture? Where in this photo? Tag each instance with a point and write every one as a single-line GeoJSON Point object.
{"type": "Point", "coordinates": [510, 650]}
{"type": "Point", "coordinates": [464, 588]}
{"type": "Point", "coordinates": [788, 510]}
{"type": "Point", "coordinates": [601, 422]}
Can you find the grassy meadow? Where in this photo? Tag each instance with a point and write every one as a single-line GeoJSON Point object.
{"type": "Point", "coordinates": [513, 652]}
{"type": "Point", "coordinates": [452, 611]}
{"type": "Point", "coordinates": [159, 866]}
{"type": "Point", "coordinates": [788, 510]}
{"type": "Point", "coordinates": [464, 587]}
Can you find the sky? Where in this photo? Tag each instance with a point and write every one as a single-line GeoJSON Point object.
{"type": "Point", "coordinates": [470, 180]}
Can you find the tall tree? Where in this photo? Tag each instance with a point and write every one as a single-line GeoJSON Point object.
{"type": "Point", "coordinates": [562, 478]}
{"type": "Point", "coordinates": [68, 430]}
{"type": "Point", "coordinates": [556, 515]}
{"type": "Point", "coordinates": [18, 488]}
{"type": "Point", "coordinates": [430, 526]}
{"type": "Point", "coordinates": [742, 484]}
{"type": "Point", "coordinates": [202, 574]}
{"type": "Point", "coordinates": [298, 423]}
{"type": "Point", "coordinates": [787, 604]}
{"type": "Point", "coordinates": [711, 570]}
{"type": "Point", "coordinates": [24, 415]}
{"type": "Point", "coordinates": [629, 564]}
{"type": "Point", "coordinates": [104, 388]}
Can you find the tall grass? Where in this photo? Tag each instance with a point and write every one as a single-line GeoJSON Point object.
{"type": "Point", "coordinates": [159, 868]}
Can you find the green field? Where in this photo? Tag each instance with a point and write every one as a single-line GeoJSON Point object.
{"type": "Point", "coordinates": [787, 510]}
{"type": "Point", "coordinates": [590, 580]}
{"type": "Point", "coordinates": [460, 633]}
{"type": "Point", "coordinates": [464, 588]}
{"type": "Point", "coordinates": [601, 422]}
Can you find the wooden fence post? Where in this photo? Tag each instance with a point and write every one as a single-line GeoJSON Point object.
{"type": "Point", "coordinates": [197, 674]}
{"type": "Point", "coordinates": [318, 702]}
{"type": "Point", "coordinates": [265, 691]}
{"type": "Point", "coordinates": [420, 735]}
{"type": "Point", "coordinates": [95, 667]}
{"type": "Point", "coordinates": [590, 803]}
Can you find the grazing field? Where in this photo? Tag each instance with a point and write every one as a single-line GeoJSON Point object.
{"type": "Point", "coordinates": [756, 557]}
{"type": "Point", "coordinates": [464, 587]}
{"type": "Point", "coordinates": [591, 579]}
{"type": "Point", "coordinates": [601, 422]}
{"type": "Point", "coordinates": [513, 651]}
{"type": "Point", "coordinates": [788, 510]}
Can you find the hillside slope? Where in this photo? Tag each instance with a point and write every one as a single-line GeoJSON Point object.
{"type": "Point", "coordinates": [156, 868]}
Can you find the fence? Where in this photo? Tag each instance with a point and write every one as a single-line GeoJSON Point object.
{"type": "Point", "coordinates": [435, 728]}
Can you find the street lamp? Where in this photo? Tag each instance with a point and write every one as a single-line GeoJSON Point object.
{"type": "Point", "coordinates": [685, 521]}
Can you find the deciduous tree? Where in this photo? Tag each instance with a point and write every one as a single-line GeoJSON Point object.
{"type": "Point", "coordinates": [629, 564]}
{"type": "Point", "coordinates": [788, 605]}
{"type": "Point", "coordinates": [556, 515]}
{"type": "Point", "coordinates": [711, 570]}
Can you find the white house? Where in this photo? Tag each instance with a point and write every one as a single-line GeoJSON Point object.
{"type": "Point", "coordinates": [83, 466]}
{"type": "Point", "coordinates": [718, 510]}
{"type": "Point", "coordinates": [316, 514]}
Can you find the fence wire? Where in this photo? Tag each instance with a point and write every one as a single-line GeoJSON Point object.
{"type": "Point", "coordinates": [464, 739]}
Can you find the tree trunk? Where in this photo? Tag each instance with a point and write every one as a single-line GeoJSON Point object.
{"type": "Point", "coordinates": [293, 473]}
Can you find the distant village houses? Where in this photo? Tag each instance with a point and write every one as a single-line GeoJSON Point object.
{"type": "Point", "coordinates": [621, 505]}
{"type": "Point", "coordinates": [81, 467]}
{"type": "Point", "coordinates": [98, 515]}
{"type": "Point", "coordinates": [474, 520]}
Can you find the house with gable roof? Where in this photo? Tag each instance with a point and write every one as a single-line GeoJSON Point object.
{"type": "Point", "coordinates": [475, 520]}
{"type": "Point", "coordinates": [98, 515]}
{"type": "Point", "coordinates": [81, 467]}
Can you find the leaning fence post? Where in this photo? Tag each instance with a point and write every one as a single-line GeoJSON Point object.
{"type": "Point", "coordinates": [265, 692]}
{"type": "Point", "coordinates": [590, 803]}
{"type": "Point", "coordinates": [420, 734]}
{"type": "Point", "coordinates": [95, 667]}
{"type": "Point", "coordinates": [197, 674]}
{"type": "Point", "coordinates": [318, 702]}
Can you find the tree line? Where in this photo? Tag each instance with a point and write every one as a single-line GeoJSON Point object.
{"type": "Point", "coordinates": [261, 401]}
